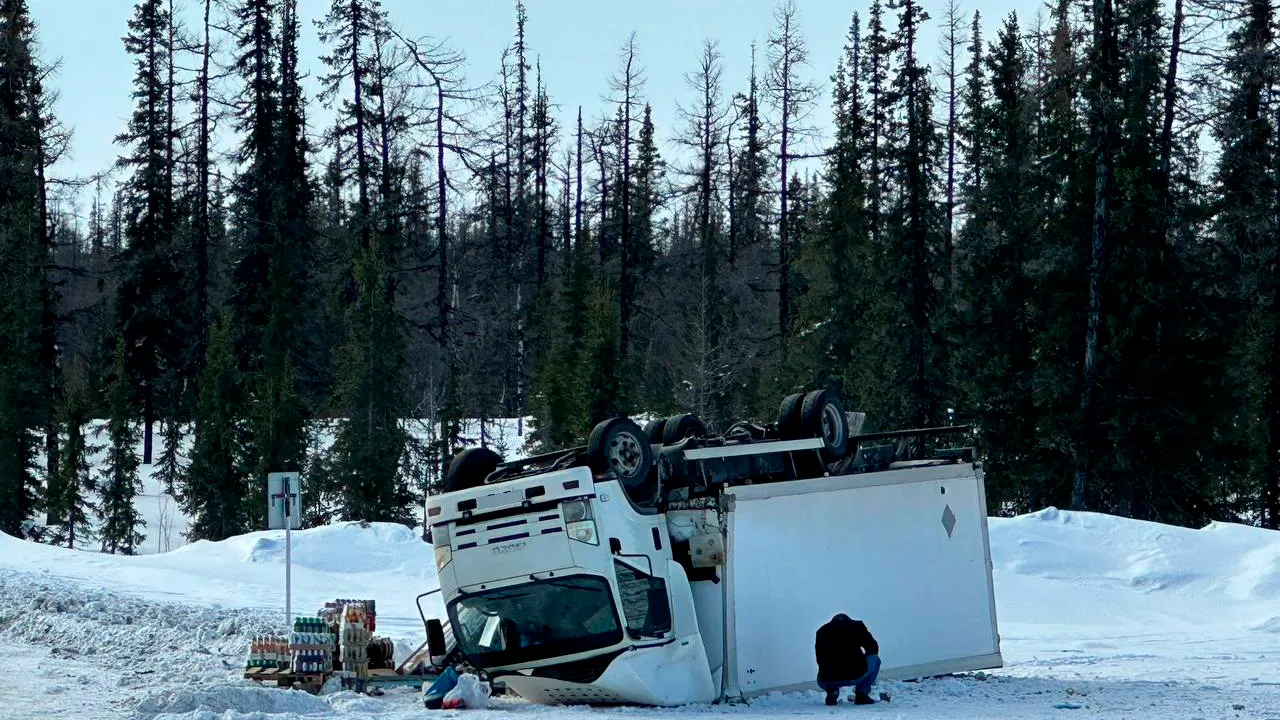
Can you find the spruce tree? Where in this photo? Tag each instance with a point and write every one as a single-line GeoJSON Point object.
{"type": "Point", "coordinates": [913, 386]}
{"type": "Point", "coordinates": [153, 298]}
{"type": "Point", "coordinates": [841, 264]}
{"type": "Point", "coordinates": [752, 204]}
{"type": "Point", "coordinates": [994, 353]}
{"type": "Point", "coordinates": [370, 446]}
{"type": "Point", "coordinates": [118, 480]}
{"type": "Point", "coordinates": [1104, 81]}
{"type": "Point", "coordinates": [1065, 186]}
{"type": "Point", "coordinates": [69, 503]}
{"type": "Point", "coordinates": [217, 495]}
{"type": "Point", "coordinates": [268, 278]}
{"type": "Point", "coordinates": [25, 399]}
{"type": "Point", "coordinates": [877, 56]}
{"type": "Point", "coordinates": [171, 470]}
{"type": "Point", "coordinates": [973, 129]}
{"type": "Point", "coordinates": [1132, 480]}
{"type": "Point", "coordinates": [560, 386]}
{"type": "Point", "coordinates": [1247, 190]}
{"type": "Point", "coordinates": [603, 371]}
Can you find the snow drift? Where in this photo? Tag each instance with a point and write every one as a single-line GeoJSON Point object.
{"type": "Point", "coordinates": [1118, 617]}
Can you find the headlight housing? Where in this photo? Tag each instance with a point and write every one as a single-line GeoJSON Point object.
{"type": "Point", "coordinates": [443, 555]}
{"type": "Point", "coordinates": [584, 532]}
{"type": "Point", "coordinates": [579, 522]}
{"type": "Point", "coordinates": [575, 510]}
{"type": "Point", "coordinates": [442, 539]}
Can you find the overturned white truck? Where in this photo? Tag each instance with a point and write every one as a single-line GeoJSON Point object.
{"type": "Point", "coordinates": [660, 566]}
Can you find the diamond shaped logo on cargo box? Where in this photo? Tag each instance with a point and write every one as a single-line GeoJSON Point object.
{"type": "Point", "coordinates": [948, 520]}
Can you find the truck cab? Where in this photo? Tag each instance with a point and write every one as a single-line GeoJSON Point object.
{"type": "Point", "coordinates": [560, 586]}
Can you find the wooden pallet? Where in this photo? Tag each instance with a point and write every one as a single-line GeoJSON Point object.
{"type": "Point", "coordinates": [311, 682]}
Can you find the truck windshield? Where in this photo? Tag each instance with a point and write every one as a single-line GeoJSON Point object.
{"type": "Point", "coordinates": [535, 621]}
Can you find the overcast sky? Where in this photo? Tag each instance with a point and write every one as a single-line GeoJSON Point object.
{"type": "Point", "coordinates": [578, 42]}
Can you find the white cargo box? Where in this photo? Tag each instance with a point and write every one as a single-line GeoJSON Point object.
{"type": "Point", "coordinates": [906, 551]}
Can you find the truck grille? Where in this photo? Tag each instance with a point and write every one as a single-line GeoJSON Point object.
{"type": "Point", "coordinates": [506, 529]}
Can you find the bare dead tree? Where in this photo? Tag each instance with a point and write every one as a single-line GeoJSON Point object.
{"type": "Point", "coordinates": [953, 42]}
{"type": "Point", "coordinates": [628, 83]}
{"type": "Point", "coordinates": [792, 99]}
{"type": "Point", "coordinates": [705, 132]}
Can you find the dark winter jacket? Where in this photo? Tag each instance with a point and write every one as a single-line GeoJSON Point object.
{"type": "Point", "coordinates": [842, 646]}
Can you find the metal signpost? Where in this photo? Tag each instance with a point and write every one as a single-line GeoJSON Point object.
{"type": "Point", "coordinates": [284, 510]}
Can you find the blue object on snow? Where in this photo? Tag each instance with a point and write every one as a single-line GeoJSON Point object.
{"type": "Point", "coordinates": [1068, 706]}
{"type": "Point", "coordinates": [433, 698]}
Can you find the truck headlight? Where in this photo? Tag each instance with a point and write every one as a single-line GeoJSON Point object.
{"type": "Point", "coordinates": [579, 522]}
{"type": "Point", "coordinates": [575, 510]}
{"type": "Point", "coordinates": [584, 531]}
{"type": "Point", "coordinates": [443, 555]}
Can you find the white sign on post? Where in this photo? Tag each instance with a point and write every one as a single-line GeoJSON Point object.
{"type": "Point", "coordinates": [284, 510]}
{"type": "Point", "coordinates": [282, 486]}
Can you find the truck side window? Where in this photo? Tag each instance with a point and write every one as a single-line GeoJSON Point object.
{"type": "Point", "coordinates": [644, 602]}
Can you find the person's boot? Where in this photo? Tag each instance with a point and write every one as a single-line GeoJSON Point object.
{"type": "Point", "coordinates": [833, 697]}
{"type": "Point", "coordinates": [861, 698]}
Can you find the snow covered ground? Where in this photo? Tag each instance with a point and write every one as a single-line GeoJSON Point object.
{"type": "Point", "coordinates": [1099, 617]}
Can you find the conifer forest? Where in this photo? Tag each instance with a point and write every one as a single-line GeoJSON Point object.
{"type": "Point", "coordinates": [1061, 228]}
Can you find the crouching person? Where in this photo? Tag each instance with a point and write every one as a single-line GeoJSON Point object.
{"type": "Point", "coordinates": [847, 656]}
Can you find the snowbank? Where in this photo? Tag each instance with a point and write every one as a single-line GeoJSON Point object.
{"type": "Point", "coordinates": [1113, 617]}
{"type": "Point", "coordinates": [1058, 567]}
{"type": "Point", "coordinates": [384, 562]}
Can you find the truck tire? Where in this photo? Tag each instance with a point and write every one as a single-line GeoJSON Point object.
{"type": "Point", "coordinates": [683, 426]}
{"type": "Point", "coordinates": [789, 425]}
{"type": "Point", "coordinates": [619, 446]}
{"type": "Point", "coordinates": [653, 430]}
{"type": "Point", "coordinates": [470, 467]}
{"type": "Point", "coordinates": [822, 416]}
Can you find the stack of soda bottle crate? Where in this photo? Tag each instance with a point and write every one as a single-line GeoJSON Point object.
{"type": "Point", "coordinates": [333, 643]}
{"type": "Point", "coordinates": [311, 646]}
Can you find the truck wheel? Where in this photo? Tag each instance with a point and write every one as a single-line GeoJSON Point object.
{"type": "Point", "coordinates": [653, 430]}
{"type": "Point", "coordinates": [789, 426]}
{"type": "Point", "coordinates": [620, 446]}
{"type": "Point", "coordinates": [822, 416]}
{"type": "Point", "coordinates": [470, 467]}
{"type": "Point", "coordinates": [683, 426]}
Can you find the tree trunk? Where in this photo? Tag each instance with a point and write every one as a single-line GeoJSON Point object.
{"type": "Point", "coordinates": [1271, 411]}
{"type": "Point", "coordinates": [202, 202]}
{"type": "Point", "coordinates": [1164, 177]}
{"type": "Point", "coordinates": [577, 207]}
{"type": "Point", "coordinates": [1098, 248]}
{"type": "Point", "coordinates": [732, 192]}
{"type": "Point", "coordinates": [357, 107]}
{"type": "Point", "coordinates": [602, 235]}
{"type": "Point", "coordinates": [566, 205]}
{"type": "Point", "coordinates": [626, 298]}
{"type": "Point", "coordinates": [169, 114]}
{"type": "Point", "coordinates": [948, 243]}
{"type": "Point", "coordinates": [784, 236]}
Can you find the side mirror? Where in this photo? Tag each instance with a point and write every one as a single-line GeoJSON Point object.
{"type": "Point", "coordinates": [659, 611]}
{"type": "Point", "coordinates": [435, 639]}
